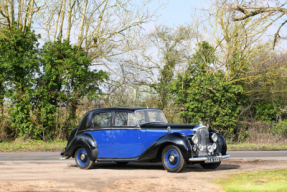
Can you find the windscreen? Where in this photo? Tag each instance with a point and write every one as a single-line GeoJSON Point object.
{"type": "Point", "coordinates": [150, 116]}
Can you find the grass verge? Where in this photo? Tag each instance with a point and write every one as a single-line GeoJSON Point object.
{"type": "Point", "coordinates": [255, 147]}
{"type": "Point", "coordinates": [275, 180]}
{"type": "Point", "coordinates": [25, 146]}
{"type": "Point", "coordinates": [21, 146]}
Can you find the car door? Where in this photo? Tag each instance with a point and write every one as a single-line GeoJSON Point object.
{"type": "Point", "coordinates": [101, 130]}
{"type": "Point", "coordinates": [126, 142]}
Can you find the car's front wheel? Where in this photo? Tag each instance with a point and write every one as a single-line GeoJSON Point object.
{"type": "Point", "coordinates": [209, 165]}
{"type": "Point", "coordinates": [172, 159]}
{"type": "Point", "coordinates": [82, 159]}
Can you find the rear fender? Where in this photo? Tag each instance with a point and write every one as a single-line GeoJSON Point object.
{"type": "Point", "coordinates": [86, 141]}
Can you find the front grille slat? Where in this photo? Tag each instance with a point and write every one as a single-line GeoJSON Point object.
{"type": "Point", "coordinates": [203, 139]}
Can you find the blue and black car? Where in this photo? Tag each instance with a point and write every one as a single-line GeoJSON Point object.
{"type": "Point", "coordinates": [137, 134]}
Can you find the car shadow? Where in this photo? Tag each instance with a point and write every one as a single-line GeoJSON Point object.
{"type": "Point", "coordinates": [129, 166]}
{"type": "Point", "coordinates": [198, 168]}
{"type": "Point", "coordinates": [157, 166]}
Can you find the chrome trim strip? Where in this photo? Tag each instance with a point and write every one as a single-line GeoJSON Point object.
{"type": "Point", "coordinates": [110, 128]}
{"type": "Point", "coordinates": [225, 156]}
{"type": "Point", "coordinates": [197, 159]}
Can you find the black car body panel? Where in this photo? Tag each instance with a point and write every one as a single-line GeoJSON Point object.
{"type": "Point", "coordinates": [155, 149]}
{"type": "Point", "coordinates": [84, 140]}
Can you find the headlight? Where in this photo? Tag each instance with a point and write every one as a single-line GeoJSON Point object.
{"type": "Point", "coordinates": [214, 146]}
{"type": "Point", "coordinates": [214, 137]}
{"type": "Point", "coordinates": [210, 148]}
{"type": "Point", "coordinates": [194, 139]}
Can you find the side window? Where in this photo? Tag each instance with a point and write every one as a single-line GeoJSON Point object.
{"type": "Point", "coordinates": [124, 119]}
{"type": "Point", "coordinates": [141, 116]}
{"type": "Point", "coordinates": [102, 120]}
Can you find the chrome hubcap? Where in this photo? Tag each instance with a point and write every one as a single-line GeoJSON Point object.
{"type": "Point", "coordinates": [82, 157]}
{"type": "Point", "coordinates": [171, 158]}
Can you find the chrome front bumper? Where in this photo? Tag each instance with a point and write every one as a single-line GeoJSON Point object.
{"type": "Point", "coordinates": [196, 159]}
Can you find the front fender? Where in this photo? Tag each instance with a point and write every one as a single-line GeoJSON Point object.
{"type": "Point", "coordinates": [221, 143]}
{"type": "Point", "coordinates": [86, 141]}
{"type": "Point", "coordinates": [176, 139]}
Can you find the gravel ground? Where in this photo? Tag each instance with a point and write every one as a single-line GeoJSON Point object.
{"type": "Point", "coordinates": [66, 176]}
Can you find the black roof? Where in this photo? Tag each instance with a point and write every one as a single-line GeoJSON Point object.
{"type": "Point", "coordinates": [122, 109]}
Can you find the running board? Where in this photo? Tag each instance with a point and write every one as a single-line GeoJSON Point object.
{"type": "Point", "coordinates": [116, 160]}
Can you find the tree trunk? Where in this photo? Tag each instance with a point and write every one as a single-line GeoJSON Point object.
{"type": "Point", "coordinates": [70, 9]}
{"type": "Point", "coordinates": [62, 20]}
{"type": "Point", "coordinates": [82, 24]}
{"type": "Point", "coordinates": [20, 12]}
{"type": "Point", "coordinates": [31, 12]}
{"type": "Point", "coordinates": [12, 15]}
{"type": "Point", "coordinates": [74, 106]}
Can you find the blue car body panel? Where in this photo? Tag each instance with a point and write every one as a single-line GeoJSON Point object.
{"type": "Point", "coordinates": [151, 136]}
{"type": "Point", "coordinates": [126, 144]}
{"type": "Point", "coordinates": [104, 142]}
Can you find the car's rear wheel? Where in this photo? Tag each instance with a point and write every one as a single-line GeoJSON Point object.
{"type": "Point", "coordinates": [209, 165]}
{"type": "Point", "coordinates": [172, 159]}
{"type": "Point", "coordinates": [82, 159]}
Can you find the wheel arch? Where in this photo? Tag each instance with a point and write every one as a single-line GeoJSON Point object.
{"type": "Point", "coordinates": [221, 143]}
{"type": "Point", "coordinates": [86, 141]}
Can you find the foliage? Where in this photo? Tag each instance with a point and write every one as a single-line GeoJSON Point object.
{"type": "Point", "coordinates": [40, 82]}
{"type": "Point", "coordinates": [66, 78]}
{"type": "Point", "coordinates": [169, 42]}
{"type": "Point", "coordinates": [281, 128]}
{"type": "Point", "coordinates": [205, 96]}
{"type": "Point", "coordinates": [266, 111]}
{"type": "Point", "coordinates": [18, 50]}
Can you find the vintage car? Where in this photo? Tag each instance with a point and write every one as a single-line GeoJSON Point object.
{"type": "Point", "coordinates": [137, 134]}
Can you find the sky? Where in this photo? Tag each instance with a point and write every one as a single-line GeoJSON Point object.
{"type": "Point", "coordinates": [177, 12]}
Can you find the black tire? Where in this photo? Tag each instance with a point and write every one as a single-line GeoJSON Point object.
{"type": "Point", "coordinates": [209, 165]}
{"type": "Point", "coordinates": [82, 159]}
{"type": "Point", "coordinates": [172, 159]}
{"type": "Point", "coordinates": [122, 163]}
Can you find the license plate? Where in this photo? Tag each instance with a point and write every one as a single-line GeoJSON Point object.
{"type": "Point", "coordinates": [213, 160]}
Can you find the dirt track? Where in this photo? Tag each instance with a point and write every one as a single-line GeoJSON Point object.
{"type": "Point", "coordinates": [49, 176]}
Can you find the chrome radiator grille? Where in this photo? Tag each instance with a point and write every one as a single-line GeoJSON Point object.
{"type": "Point", "coordinates": [203, 139]}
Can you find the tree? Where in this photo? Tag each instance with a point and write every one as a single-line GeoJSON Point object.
{"type": "Point", "coordinates": [102, 28]}
{"type": "Point", "coordinates": [19, 59]}
{"type": "Point", "coordinates": [170, 44]}
{"type": "Point", "coordinates": [238, 45]}
{"type": "Point", "coordinates": [260, 11]}
{"type": "Point", "coordinates": [25, 10]}
{"type": "Point", "coordinates": [67, 78]}
{"type": "Point", "coordinates": [204, 95]}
